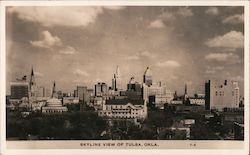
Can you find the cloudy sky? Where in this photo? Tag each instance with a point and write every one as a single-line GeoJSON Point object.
{"type": "Point", "coordinates": [83, 45]}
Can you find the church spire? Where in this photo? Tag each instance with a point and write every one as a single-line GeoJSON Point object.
{"type": "Point", "coordinates": [32, 71]}
{"type": "Point", "coordinates": [32, 84]}
{"type": "Point", "coordinates": [53, 89]}
{"type": "Point", "coordinates": [185, 88]}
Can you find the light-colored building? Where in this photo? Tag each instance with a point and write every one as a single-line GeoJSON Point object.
{"type": "Point", "coordinates": [99, 102]}
{"type": "Point", "coordinates": [198, 101]}
{"type": "Point", "coordinates": [70, 100]}
{"type": "Point", "coordinates": [82, 93]}
{"type": "Point", "coordinates": [176, 102]}
{"type": "Point", "coordinates": [219, 95]}
{"type": "Point", "coordinates": [161, 93]}
{"type": "Point", "coordinates": [54, 105]}
{"type": "Point", "coordinates": [157, 91]}
{"type": "Point", "coordinates": [40, 91]}
{"type": "Point", "coordinates": [101, 89]}
{"type": "Point", "coordinates": [124, 109]}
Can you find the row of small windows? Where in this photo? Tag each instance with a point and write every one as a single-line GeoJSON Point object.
{"type": "Point", "coordinates": [121, 106]}
{"type": "Point", "coordinates": [117, 113]}
{"type": "Point", "coordinates": [53, 111]}
{"type": "Point", "coordinates": [127, 109]}
{"type": "Point", "coordinates": [222, 93]}
{"type": "Point", "coordinates": [219, 93]}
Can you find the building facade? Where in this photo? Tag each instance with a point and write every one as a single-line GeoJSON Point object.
{"type": "Point", "coordinates": [147, 77]}
{"type": "Point", "coordinates": [219, 95]}
{"type": "Point", "coordinates": [19, 89]}
{"type": "Point", "coordinates": [124, 109]}
{"type": "Point", "coordinates": [101, 89]}
{"type": "Point", "coordinates": [54, 105]}
{"type": "Point", "coordinates": [82, 93]}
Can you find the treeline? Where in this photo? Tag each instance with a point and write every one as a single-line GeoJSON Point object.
{"type": "Point", "coordinates": [77, 125]}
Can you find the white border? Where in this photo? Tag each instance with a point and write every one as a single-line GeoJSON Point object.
{"type": "Point", "coordinates": [126, 3]}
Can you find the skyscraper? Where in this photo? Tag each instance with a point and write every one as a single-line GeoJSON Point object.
{"type": "Point", "coordinates": [101, 89]}
{"type": "Point", "coordinates": [219, 95]}
{"type": "Point", "coordinates": [147, 77]}
{"type": "Point", "coordinates": [82, 93]}
{"type": "Point", "coordinates": [134, 89]}
{"type": "Point", "coordinates": [19, 89]}
{"type": "Point", "coordinates": [116, 81]}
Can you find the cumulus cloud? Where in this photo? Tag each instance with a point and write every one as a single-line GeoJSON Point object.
{"type": "Point", "coordinates": [80, 72]}
{"type": "Point", "coordinates": [168, 63]}
{"type": "Point", "coordinates": [132, 57]}
{"type": "Point", "coordinates": [158, 23]}
{"type": "Point", "coordinates": [185, 12]}
{"type": "Point", "coordinates": [237, 78]}
{"type": "Point", "coordinates": [168, 16]}
{"type": "Point", "coordinates": [53, 42]}
{"type": "Point", "coordinates": [212, 11]}
{"type": "Point", "coordinates": [234, 19]}
{"type": "Point", "coordinates": [212, 70]}
{"type": "Point", "coordinates": [229, 58]}
{"type": "Point", "coordinates": [60, 16]}
{"type": "Point", "coordinates": [47, 40]}
{"type": "Point", "coordinates": [148, 54]}
{"type": "Point", "coordinates": [38, 74]}
{"type": "Point", "coordinates": [232, 39]}
{"type": "Point", "coordinates": [140, 55]}
{"type": "Point", "coordinates": [68, 50]}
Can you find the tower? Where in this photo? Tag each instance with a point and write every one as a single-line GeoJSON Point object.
{"type": "Point", "coordinates": [185, 97]}
{"type": "Point", "coordinates": [116, 81]}
{"type": "Point", "coordinates": [32, 84]}
{"type": "Point", "coordinates": [53, 90]}
{"type": "Point", "coordinates": [185, 89]}
{"type": "Point", "coordinates": [147, 77]}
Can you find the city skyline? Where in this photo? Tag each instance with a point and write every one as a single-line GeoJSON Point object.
{"type": "Point", "coordinates": [180, 44]}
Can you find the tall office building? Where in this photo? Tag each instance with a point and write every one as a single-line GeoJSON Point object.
{"type": "Point", "coordinates": [134, 89]}
{"type": "Point", "coordinates": [101, 89]}
{"type": "Point", "coordinates": [40, 92]}
{"type": "Point", "coordinates": [155, 92]}
{"type": "Point", "coordinates": [19, 89]}
{"type": "Point", "coordinates": [219, 95]}
{"type": "Point", "coordinates": [116, 81]}
{"type": "Point", "coordinates": [147, 77]}
{"type": "Point", "coordinates": [82, 93]}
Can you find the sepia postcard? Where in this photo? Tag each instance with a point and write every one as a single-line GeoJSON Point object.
{"type": "Point", "coordinates": [124, 77]}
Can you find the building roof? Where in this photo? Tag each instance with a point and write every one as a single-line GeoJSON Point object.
{"type": "Point", "coordinates": [53, 102]}
{"type": "Point", "coordinates": [117, 72]}
{"type": "Point", "coordinates": [19, 83]}
{"type": "Point", "coordinates": [124, 102]}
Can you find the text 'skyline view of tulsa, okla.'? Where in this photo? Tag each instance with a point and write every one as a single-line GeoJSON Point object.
{"type": "Point", "coordinates": [125, 73]}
